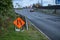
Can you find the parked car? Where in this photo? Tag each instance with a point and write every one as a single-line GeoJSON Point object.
{"type": "Point", "coordinates": [32, 10]}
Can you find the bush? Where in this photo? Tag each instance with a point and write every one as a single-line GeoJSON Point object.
{"type": "Point", "coordinates": [7, 13]}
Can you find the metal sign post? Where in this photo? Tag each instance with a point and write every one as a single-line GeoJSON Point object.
{"type": "Point", "coordinates": [26, 23]}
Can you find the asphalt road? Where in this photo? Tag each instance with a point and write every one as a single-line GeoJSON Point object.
{"type": "Point", "coordinates": [48, 24]}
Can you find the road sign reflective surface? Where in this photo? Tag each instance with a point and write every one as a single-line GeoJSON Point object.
{"type": "Point", "coordinates": [19, 22]}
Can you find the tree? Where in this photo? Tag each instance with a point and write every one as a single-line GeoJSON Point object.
{"type": "Point", "coordinates": [18, 5]}
{"type": "Point", "coordinates": [37, 5]}
{"type": "Point", "coordinates": [6, 12]}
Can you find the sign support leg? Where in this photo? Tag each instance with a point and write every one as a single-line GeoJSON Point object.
{"type": "Point", "coordinates": [16, 29]}
{"type": "Point", "coordinates": [26, 23]}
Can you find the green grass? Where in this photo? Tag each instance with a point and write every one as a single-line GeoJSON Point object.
{"type": "Point", "coordinates": [19, 8]}
{"type": "Point", "coordinates": [31, 34]}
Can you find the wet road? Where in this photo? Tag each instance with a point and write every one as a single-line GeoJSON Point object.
{"type": "Point", "coordinates": [48, 24]}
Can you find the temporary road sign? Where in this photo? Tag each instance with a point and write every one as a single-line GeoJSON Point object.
{"type": "Point", "coordinates": [19, 22]}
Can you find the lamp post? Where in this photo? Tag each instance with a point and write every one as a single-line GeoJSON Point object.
{"type": "Point", "coordinates": [41, 2]}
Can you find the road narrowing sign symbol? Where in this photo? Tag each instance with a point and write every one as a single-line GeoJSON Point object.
{"type": "Point", "coordinates": [19, 22]}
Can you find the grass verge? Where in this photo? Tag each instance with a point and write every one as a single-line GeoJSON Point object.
{"type": "Point", "coordinates": [31, 34]}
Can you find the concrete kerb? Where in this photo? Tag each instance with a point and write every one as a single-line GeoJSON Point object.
{"type": "Point", "coordinates": [40, 30]}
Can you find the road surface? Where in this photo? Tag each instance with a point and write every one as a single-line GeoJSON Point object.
{"type": "Point", "coordinates": [48, 24]}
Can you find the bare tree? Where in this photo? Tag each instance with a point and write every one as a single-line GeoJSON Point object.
{"type": "Point", "coordinates": [18, 5]}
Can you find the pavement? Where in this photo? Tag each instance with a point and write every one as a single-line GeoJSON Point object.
{"type": "Point", "coordinates": [48, 24]}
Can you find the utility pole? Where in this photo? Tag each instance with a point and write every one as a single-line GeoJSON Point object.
{"type": "Point", "coordinates": [56, 4]}
{"type": "Point", "coordinates": [38, 1]}
{"type": "Point", "coordinates": [41, 2]}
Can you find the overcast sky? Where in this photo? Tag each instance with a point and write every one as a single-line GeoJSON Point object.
{"type": "Point", "coordinates": [30, 2]}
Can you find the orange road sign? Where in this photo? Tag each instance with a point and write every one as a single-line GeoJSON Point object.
{"type": "Point", "coordinates": [19, 22]}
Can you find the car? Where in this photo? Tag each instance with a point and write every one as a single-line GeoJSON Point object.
{"type": "Point", "coordinates": [32, 10]}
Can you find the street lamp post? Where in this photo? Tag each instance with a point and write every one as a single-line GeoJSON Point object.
{"type": "Point", "coordinates": [41, 2]}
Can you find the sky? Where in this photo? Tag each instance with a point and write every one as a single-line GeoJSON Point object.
{"type": "Point", "coordinates": [24, 3]}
